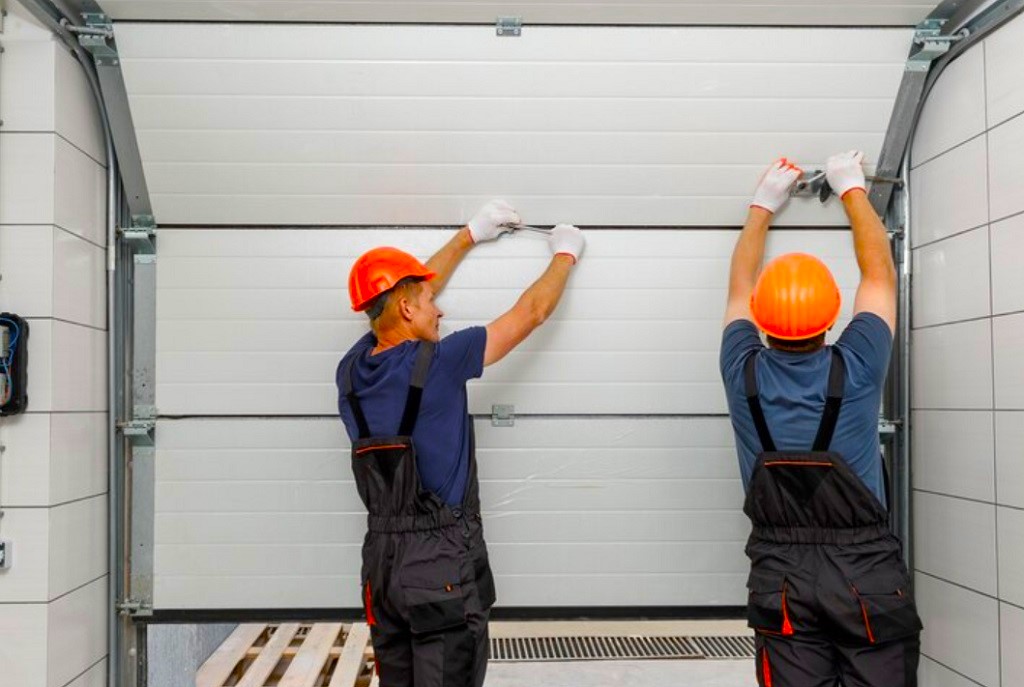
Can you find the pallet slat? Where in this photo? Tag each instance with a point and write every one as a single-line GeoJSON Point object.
{"type": "Point", "coordinates": [308, 664]}
{"type": "Point", "coordinates": [222, 663]}
{"type": "Point", "coordinates": [352, 658]}
{"type": "Point", "coordinates": [269, 656]}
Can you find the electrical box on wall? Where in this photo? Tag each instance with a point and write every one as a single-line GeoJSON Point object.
{"type": "Point", "coordinates": [13, 364]}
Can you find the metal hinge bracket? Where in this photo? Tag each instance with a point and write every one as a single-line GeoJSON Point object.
{"type": "Point", "coordinates": [141, 234]}
{"type": "Point", "coordinates": [889, 427]}
{"type": "Point", "coordinates": [134, 609]}
{"type": "Point", "coordinates": [509, 26]}
{"type": "Point", "coordinates": [503, 416]}
{"type": "Point", "coordinates": [933, 44]}
{"type": "Point", "coordinates": [139, 430]}
{"type": "Point", "coordinates": [96, 39]}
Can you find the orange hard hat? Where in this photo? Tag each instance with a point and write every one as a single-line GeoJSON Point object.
{"type": "Point", "coordinates": [796, 297]}
{"type": "Point", "coordinates": [379, 270]}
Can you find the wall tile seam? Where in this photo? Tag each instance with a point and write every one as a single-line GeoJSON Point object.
{"type": "Point", "coordinates": [56, 135]}
{"type": "Point", "coordinates": [97, 246]}
{"type": "Point", "coordinates": [34, 318]}
{"type": "Point", "coordinates": [946, 151]}
{"type": "Point", "coordinates": [62, 504]}
{"type": "Point", "coordinates": [101, 660]}
{"type": "Point", "coordinates": [959, 232]}
{"type": "Point", "coordinates": [958, 497]}
{"type": "Point", "coordinates": [1003, 122]}
{"type": "Point", "coordinates": [55, 599]}
{"type": "Point", "coordinates": [82, 586]}
{"type": "Point", "coordinates": [953, 670]}
{"type": "Point", "coordinates": [936, 325]}
{"type": "Point", "coordinates": [959, 585]}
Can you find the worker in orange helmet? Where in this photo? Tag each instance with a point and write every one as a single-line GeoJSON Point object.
{"type": "Point", "coordinates": [829, 593]}
{"type": "Point", "coordinates": [426, 581]}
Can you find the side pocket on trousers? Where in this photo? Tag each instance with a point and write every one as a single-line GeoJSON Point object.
{"type": "Point", "coordinates": [886, 608]}
{"type": "Point", "coordinates": [484, 580]}
{"type": "Point", "coordinates": [767, 610]}
{"type": "Point", "coordinates": [433, 595]}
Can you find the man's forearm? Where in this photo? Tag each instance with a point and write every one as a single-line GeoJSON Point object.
{"type": "Point", "coordinates": [870, 241]}
{"type": "Point", "coordinates": [444, 261]}
{"type": "Point", "coordinates": [748, 254]}
{"type": "Point", "coordinates": [542, 297]}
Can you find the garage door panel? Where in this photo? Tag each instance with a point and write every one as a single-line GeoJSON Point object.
{"type": "Point", "coordinates": [213, 147]}
{"type": "Point", "coordinates": [447, 43]}
{"type": "Point", "coordinates": [271, 117]}
{"type": "Point", "coordinates": [266, 502]}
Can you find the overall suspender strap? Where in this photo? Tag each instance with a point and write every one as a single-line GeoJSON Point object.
{"type": "Point", "coordinates": [353, 402]}
{"type": "Point", "coordinates": [424, 357]}
{"type": "Point", "coordinates": [754, 403]}
{"type": "Point", "coordinates": [833, 402]}
{"type": "Point", "coordinates": [412, 402]}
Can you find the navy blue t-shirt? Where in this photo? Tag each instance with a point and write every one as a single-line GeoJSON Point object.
{"type": "Point", "coordinates": [441, 436]}
{"type": "Point", "coordinates": [793, 389]}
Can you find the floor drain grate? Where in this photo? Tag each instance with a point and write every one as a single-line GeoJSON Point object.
{"type": "Point", "coordinates": [725, 647]}
{"type": "Point", "coordinates": [595, 648]}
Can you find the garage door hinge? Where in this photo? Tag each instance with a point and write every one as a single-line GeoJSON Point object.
{"type": "Point", "coordinates": [933, 44]}
{"type": "Point", "coordinates": [141, 234]}
{"type": "Point", "coordinates": [139, 430]}
{"type": "Point", "coordinates": [96, 37]}
{"type": "Point", "coordinates": [503, 416]}
{"type": "Point", "coordinates": [133, 608]}
{"type": "Point", "coordinates": [511, 27]}
{"type": "Point", "coordinates": [888, 427]}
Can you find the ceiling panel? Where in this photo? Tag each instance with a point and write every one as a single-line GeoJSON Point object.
{"type": "Point", "coordinates": [671, 12]}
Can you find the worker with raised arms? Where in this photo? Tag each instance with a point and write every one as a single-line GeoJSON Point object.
{"type": "Point", "coordinates": [426, 581]}
{"type": "Point", "coordinates": [829, 594]}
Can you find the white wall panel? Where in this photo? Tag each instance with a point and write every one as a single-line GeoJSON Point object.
{"type": "Point", "coordinates": [961, 629]}
{"type": "Point", "coordinates": [1004, 52]}
{"type": "Point", "coordinates": [79, 280]}
{"type": "Point", "coordinates": [94, 677]}
{"type": "Point", "coordinates": [1009, 466]}
{"type": "Point", "coordinates": [76, 117]}
{"type": "Point", "coordinates": [76, 634]}
{"type": "Point", "coordinates": [80, 193]}
{"type": "Point", "coordinates": [936, 211]}
{"type": "Point", "coordinates": [932, 674]}
{"type": "Point", "coordinates": [26, 581]}
{"type": "Point", "coordinates": [26, 91]}
{"type": "Point", "coordinates": [956, 108]}
{"type": "Point", "coordinates": [954, 453]}
{"type": "Point", "coordinates": [79, 368]}
{"type": "Point", "coordinates": [788, 12]}
{"type": "Point", "coordinates": [416, 125]}
{"type": "Point", "coordinates": [1006, 168]}
{"type": "Point", "coordinates": [29, 194]}
{"type": "Point", "coordinates": [563, 499]}
{"type": "Point", "coordinates": [26, 263]}
{"type": "Point", "coordinates": [23, 644]}
{"type": "Point", "coordinates": [969, 559]}
{"type": "Point", "coordinates": [1007, 343]}
{"type": "Point", "coordinates": [1012, 629]}
{"type": "Point", "coordinates": [951, 279]}
{"type": "Point", "coordinates": [1011, 555]}
{"type": "Point", "coordinates": [220, 294]}
{"type": "Point", "coordinates": [1007, 276]}
{"type": "Point", "coordinates": [953, 366]}
{"type": "Point", "coordinates": [25, 462]}
{"type": "Point", "coordinates": [77, 544]}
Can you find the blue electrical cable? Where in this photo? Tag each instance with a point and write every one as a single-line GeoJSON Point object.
{"type": "Point", "coordinates": [7, 361]}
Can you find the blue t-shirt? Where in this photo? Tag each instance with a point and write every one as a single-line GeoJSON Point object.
{"type": "Point", "coordinates": [793, 388]}
{"type": "Point", "coordinates": [441, 436]}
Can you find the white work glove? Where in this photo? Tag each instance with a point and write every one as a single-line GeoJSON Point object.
{"type": "Point", "coordinates": [774, 187]}
{"type": "Point", "coordinates": [566, 239]}
{"type": "Point", "coordinates": [492, 220]}
{"type": "Point", "coordinates": [845, 173]}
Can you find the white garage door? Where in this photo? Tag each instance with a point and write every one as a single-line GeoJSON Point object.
{"type": "Point", "coordinates": [617, 486]}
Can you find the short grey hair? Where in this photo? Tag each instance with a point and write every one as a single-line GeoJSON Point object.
{"type": "Point", "coordinates": [378, 305]}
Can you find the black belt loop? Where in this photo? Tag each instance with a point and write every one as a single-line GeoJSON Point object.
{"type": "Point", "coordinates": [424, 357]}
{"type": "Point", "coordinates": [833, 402]}
{"type": "Point", "coordinates": [754, 402]}
{"type": "Point", "coordinates": [353, 402]}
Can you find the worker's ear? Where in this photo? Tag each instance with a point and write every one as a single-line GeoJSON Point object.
{"type": "Point", "coordinates": [405, 306]}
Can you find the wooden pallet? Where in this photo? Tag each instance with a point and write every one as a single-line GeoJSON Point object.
{"type": "Point", "coordinates": [292, 655]}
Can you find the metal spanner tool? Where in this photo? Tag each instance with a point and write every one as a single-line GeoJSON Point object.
{"type": "Point", "coordinates": [527, 227]}
{"type": "Point", "coordinates": [815, 183]}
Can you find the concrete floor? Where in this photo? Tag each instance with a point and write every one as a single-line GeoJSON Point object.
{"type": "Point", "coordinates": [677, 673]}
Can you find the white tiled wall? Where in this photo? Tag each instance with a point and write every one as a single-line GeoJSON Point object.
{"type": "Point", "coordinates": [968, 374]}
{"type": "Point", "coordinates": [53, 481]}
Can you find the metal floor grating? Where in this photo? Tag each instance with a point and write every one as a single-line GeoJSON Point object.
{"type": "Point", "coordinates": [597, 648]}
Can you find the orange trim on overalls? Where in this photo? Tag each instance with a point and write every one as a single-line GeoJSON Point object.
{"type": "Point", "coordinates": [368, 601]}
{"type": "Point", "coordinates": [766, 668]}
{"type": "Point", "coordinates": [379, 448]}
{"type": "Point", "coordinates": [867, 622]}
{"type": "Point", "coordinates": [787, 628]}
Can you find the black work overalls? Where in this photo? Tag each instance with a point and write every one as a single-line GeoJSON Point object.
{"type": "Point", "coordinates": [427, 584]}
{"type": "Point", "coordinates": [829, 593]}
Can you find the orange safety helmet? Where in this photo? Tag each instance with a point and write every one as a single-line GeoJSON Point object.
{"type": "Point", "coordinates": [379, 270]}
{"type": "Point", "coordinates": [796, 297]}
